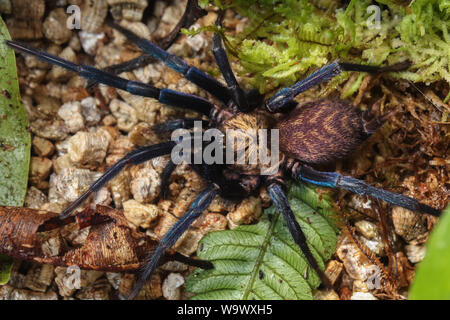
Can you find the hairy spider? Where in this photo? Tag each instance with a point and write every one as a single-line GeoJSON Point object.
{"type": "Point", "coordinates": [309, 134]}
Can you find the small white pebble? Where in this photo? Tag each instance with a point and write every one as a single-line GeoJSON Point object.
{"type": "Point", "coordinates": [360, 286]}
{"type": "Point", "coordinates": [90, 111]}
{"type": "Point", "coordinates": [362, 296]}
{"type": "Point", "coordinates": [114, 279]}
{"type": "Point", "coordinates": [89, 147]}
{"type": "Point", "coordinates": [89, 41]}
{"type": "Point", "coordinates": [102, 197]}
{"type": "Point", "coordinates": [326, 295]}
{"type": "Point", "coordinates": [248, 211]}
{"type": "Point", "coordinates": [70, 183]}
{"type": "Point", "coordinates": [171, 15]}
{"type": "Point", "coordinates": [360, 202]}
{"type": "Point", "coordinates": [174, 266]}
{"type": "Point", "coordinates": [356, 264]}
{"type": "Point", "coordinates": [139, 214]}
{"type": "Point", "coordinates": [124, 113]}
{"type": "Point", "coordinates": [415, 253]}
{"type": "Point", "coordinates": [367, 229]}
{"type": "Point", "coordinates": [375, 245]}
{"type": "Point", "coordinates": [52, 247]}
{"type": "Point", "coordinates": [71, 113]}
{"type": "Point", "coordinates": [171, 286]}
{"type": "Point", "coordinates": [197, 42]}
{"type": "Point", "coordinates": [146, 184]}
{"type": "Point", "coordinates": [58, 73]}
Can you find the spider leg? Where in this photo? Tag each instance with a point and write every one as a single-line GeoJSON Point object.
{"type": "Point", "coordinates": [135, 157]}
{"type": "Point", "coordinates": [237, 94]}
{"type": "Point", "coordinates": [168, 127]}
{"type": "Point", "coordinates": [173, 125]}
{"type": "Point", "coordinates": [192, 74]}
{"type": "Point", "coordinates": [126, 66]}
{"type": "Point", "coordinates": [285, 95]}
{"type": "Point", "coordinates": [204, 264]}
{"type": "Point", "coordinates": [166, 96]}
{"type": "Point", "coordinates": [336, 180]}
{"type": "Point", "coordinates": [281, 201]}
{"type": "Point", "coordinates": [192, 13]}
{"type": "Point", "coordinates": [199, 205]}
{"type": "Point", "coordinates": [165, 178]}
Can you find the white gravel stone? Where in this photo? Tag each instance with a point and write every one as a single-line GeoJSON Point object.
{"type": "Point", "coordinates": [71, 113]}
{"type": "Point", "coordinates": [89, 41]}
{"type": "Point", "coordinates": [415, 253]}
{"type": "Point", "coordinates": [363, 296]}
{"type": "Point", "coordinates": [171, 286]}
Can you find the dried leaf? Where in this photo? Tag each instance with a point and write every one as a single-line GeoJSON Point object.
{"type": "Point", "coordinates": [112, 244]}
{"type": "Point", "coordinates": [15, 141]}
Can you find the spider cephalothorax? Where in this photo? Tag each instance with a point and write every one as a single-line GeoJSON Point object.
{"type": "Point", "coordinates": [242, 129]}
{"type": "Point", "coordinates": [311, 133]}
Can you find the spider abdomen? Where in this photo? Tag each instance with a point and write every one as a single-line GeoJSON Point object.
{"type": "Point", "coordinates": [321, 131]}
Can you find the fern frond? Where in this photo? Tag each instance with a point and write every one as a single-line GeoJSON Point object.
{"type": "Point", "coordinates": [262, 261]}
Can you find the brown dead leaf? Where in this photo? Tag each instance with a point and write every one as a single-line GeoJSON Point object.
{"type": "Point", "coordinates": [112, 244]}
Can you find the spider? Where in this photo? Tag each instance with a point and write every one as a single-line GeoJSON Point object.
{"type": "Point", "coordinates": [310, 134]}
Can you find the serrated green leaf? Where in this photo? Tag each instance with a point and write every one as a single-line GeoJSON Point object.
{"type": "Point", "coordinates": [15, 140]}
{"type": "Point", "coordinates": [432, 280]}
{"type": "Point", "coordinates": [322, 203]}
{"type": "Point", "coordinates": [262, 261]}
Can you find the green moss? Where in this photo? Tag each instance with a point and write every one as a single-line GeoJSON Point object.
{"type": "Point", "coordinates": [287, 39]}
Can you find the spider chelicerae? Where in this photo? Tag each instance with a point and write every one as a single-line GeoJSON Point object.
{"type": "Point", "coordinates": [310, 134]}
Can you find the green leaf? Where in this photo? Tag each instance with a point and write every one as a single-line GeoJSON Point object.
{"type": "Point", "coordinates": [15, 141]}
{"type": "Point", "coordinates": [5, 269]}
{"type": "Point", "coordinates": [14, 138]}
{"type": "Point", "coordinates": [262, 261]}
{"type": "Point", "coordinates": [432, 280]}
